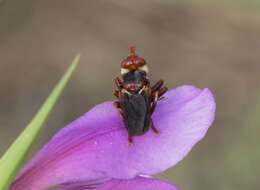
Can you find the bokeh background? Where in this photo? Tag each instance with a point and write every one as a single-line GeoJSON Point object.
{"type": "Point", "coordinates": [204, 43]}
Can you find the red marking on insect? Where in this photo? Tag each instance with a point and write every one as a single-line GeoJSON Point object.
{"type": "Point", "coordinates": [133, 62]}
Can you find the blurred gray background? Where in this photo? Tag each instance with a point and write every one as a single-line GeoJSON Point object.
{"type": "Point", "coordinates": [203, 43]}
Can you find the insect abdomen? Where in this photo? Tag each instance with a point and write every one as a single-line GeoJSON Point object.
{"type": "Point", "coordinates": [136, 112]}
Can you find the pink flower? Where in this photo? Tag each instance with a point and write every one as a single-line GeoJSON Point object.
{"type": "Point", "coordinates": [94, 147]}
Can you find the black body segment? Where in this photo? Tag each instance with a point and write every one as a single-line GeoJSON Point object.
{"type": "Point", "coordinates": [136, 109]}
{"type": "Point", "coordinates": [133, 76]}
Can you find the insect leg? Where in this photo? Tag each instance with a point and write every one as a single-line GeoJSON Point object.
{"type": "Point", "coordinates": [118, 83]}
{"type": "Point", "coordinates": [154, 101]}
{"type": "Point", "coordinates": [155, 130]}
{"type": "Point", "coordinates": [130, 140]}
{"type": "Point", "coordinates": [116, 93]}
{"type": "Point", "coordinates": [157, 85]}
{"type": "Point", "coordinates": [117, 106]}
{"type": "Point", "coordinates": [161, 92]}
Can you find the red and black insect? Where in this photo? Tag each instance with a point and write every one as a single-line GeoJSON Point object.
{"type": "Point", "coordinates": [137, 99]}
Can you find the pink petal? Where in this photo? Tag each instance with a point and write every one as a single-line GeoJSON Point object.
{"type": "Point", "coordinates": [138, 183]}
{"type": "Point", "coordinates": [95, 145]}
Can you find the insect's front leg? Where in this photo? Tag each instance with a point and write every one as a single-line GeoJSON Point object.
{"type": "Point", "coordinates": [119, 86]}
{"type": "Point", "coordinates": [116, 93]}
{"type": "Point", "coordinates": [118, 83]}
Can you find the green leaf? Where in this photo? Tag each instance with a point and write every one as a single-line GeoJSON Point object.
{"type": "Point", "coordinates": [14, 157]}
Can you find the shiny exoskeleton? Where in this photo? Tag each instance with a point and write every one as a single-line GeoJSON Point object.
{"type": "Point", "coordinates": [137, 99]}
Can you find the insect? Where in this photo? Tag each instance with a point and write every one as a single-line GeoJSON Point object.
{"type": "Point", "coordinates": [137, 100]}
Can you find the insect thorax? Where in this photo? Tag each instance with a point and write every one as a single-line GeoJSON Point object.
{"type": "Point", "coordinates": [133, 80]}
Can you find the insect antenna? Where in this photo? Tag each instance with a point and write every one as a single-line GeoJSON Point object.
{"type": "Point", "coordinates": [132, 51]}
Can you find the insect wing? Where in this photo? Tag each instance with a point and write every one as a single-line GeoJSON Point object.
{"type": "Point", "coordinates": [136, 111]}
